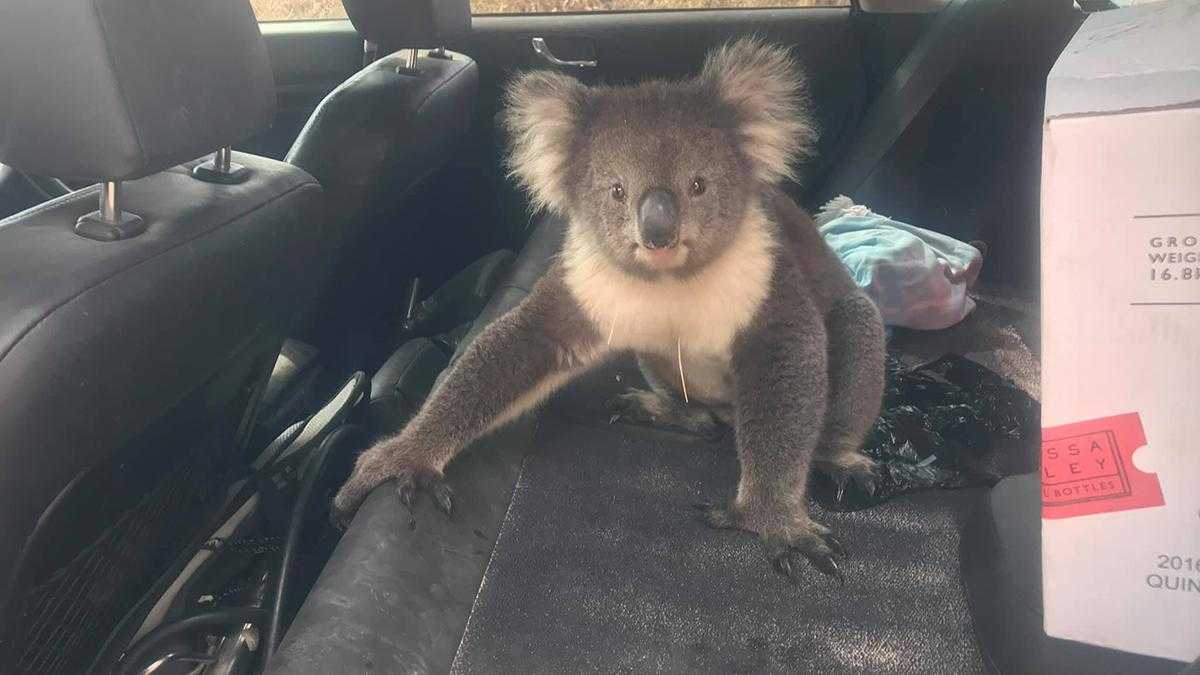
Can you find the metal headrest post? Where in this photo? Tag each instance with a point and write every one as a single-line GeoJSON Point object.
{"type": "Point", "coordinates": [370, 52]}
{"type": "Point", "coordinates": [110, 201]}
{"type": "Point", "coordinates": [221, 168]}
{"type": "Point", "coordinates": [408, 63]}
{"type": "Point", "coordinates": [109, 222]}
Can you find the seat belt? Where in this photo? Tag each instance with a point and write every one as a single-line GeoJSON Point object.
{"type": "Point", "coordinates": [913, 83]}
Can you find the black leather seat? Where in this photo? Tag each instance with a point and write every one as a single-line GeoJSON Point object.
{"type": "Point", "coordinates": [131, 366]}
{"type": "Point", "coordinates": [424, 585]}
{"type": "Point", "coordinates": [380, 133]}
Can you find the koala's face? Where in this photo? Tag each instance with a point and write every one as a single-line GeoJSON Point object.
{"type": "Point", "coordinates": [659, 183]}
{"type": "Point", "coordinates": [658, 177]}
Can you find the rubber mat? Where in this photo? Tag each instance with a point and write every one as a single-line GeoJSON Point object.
{"type": "Point", "coordinates": [600, 566]}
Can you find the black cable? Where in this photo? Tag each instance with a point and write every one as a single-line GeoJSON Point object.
{"type": "Point", "coordinates": [142, 648]}
{"type": "Point", "coordinates": [312, 473]}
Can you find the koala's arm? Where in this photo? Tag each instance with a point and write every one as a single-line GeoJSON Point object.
{"type": "Point", "coordinates": [826, 277]}
{"type": "Point", "coordinates": [512, 365]}
{"type": "Point", "coordinates": [781, 380]}
{"type": "Point", "coordinates": [780, 374]}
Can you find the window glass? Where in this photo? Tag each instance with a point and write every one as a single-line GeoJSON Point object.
{"type": "Point", "coordinates": [294, 10]}
{"type": "Point", "coordinates": [546, 6]}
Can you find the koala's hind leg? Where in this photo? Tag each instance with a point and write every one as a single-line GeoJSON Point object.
{"type": "Point", "coordinates": [661, 404]}
{"type": "Point", "coordinates": [856, 379]}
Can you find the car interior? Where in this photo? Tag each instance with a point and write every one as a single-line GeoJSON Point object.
{"type": "Point", "coordinates": [233, 254]}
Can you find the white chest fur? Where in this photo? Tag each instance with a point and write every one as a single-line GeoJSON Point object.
{"type": "Point", "coordinates": [699, 316]}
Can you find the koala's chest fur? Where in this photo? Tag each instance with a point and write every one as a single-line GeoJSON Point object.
{"type": "Point", "coordinates": [693, 320]}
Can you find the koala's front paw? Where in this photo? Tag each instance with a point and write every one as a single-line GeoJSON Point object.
{"type": "Point", "coordinates": [849, 468]}
{"type": "Point", "coordinates": [650, 408]}
{"type": "Point", "coordinates": [814, 542]}
{"type": "Point", "coordinates": [784, 544]}
{"type": "Point", "coordinates": [389, 461]}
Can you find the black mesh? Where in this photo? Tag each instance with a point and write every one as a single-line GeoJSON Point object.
{"type": "Point", "coordinates": [68, 616]}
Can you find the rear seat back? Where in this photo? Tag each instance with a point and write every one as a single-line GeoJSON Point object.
{"type": "Point", "coordinates": [382, 132]}
{"type": "Point", "coordinates": [131, 365]}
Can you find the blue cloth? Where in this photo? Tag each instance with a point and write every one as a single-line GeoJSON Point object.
{"type": "Point", "coordinates": [918, 278]}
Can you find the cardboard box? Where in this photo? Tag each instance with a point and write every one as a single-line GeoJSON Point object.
{"type": "Point", "coordinates": [1121, 333]}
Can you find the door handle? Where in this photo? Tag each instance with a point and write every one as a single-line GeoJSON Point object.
{"type": "Point", "coordinates": [543, 50]}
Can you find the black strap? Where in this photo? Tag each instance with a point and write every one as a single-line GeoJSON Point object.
{"type": "Point", "coordinates": [911, 86]}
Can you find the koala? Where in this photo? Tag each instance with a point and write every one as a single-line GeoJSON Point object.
{"type": "Point", "coordinates": [682, 248]}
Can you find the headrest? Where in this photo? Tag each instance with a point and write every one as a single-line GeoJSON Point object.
{"type": "Point", "coordinates": [117, 89]}
{"type": "Point", "coordinates": [399, 24]}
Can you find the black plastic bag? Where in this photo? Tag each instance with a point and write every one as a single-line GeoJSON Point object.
{"type": "Point", "coordinates": [950, 423]}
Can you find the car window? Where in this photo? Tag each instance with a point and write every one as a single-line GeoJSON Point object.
{"type": "Point", "coordinates": [295, 10]}
{"type": "Point", "coordinates": [547, 6]}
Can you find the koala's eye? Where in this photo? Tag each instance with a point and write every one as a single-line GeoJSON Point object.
{"type": "Point", "coordinates": [617, 192]}
{"type": "Point", "coordinates": [699, 186]}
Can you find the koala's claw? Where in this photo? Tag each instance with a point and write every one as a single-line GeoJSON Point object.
{"type": "Point", "coordinates": [408, 494]}
{"type": "Point", "coordinates": [636, 405]}
{"type": "Point", "coordinates": [825, 564]}
{"type": "Point", "coordinates": [429, 482]}
{"type": "Point", "coordinates": [814, 543]}
{"type": "Point", "coordinates": [851, 469]}
{"type": "Point", "coordinates": [821, 549]}
{"type": "Point", "coordinates": [444, 496]}
{"type": "Point", "coordinates": [834, 545]}
{"type": "Point", "coordinates": [865, 483]}
{"type": "Point", "coordinates": [648, 408]}
{"type": "Point", "coordinates": [379, 465]}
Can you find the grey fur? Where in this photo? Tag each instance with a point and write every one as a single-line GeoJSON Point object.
{"type": "Point", "coordinates": [771, 331]}
{"type": "Point", "coordinates": [520, 359]}
{"type": "Point", "coordinates": [739, 124]}
{"type": "Point", "coordinates": [662, 405]}
{"type": "Point", "coordinates": [809, 386]}
{"type": "Point", "coordinates": [856, 345]}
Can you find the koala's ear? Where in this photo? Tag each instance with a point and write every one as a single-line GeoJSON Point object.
{"type": "Point", "coordinates": [542, 116]}
{"type": "Point", "coordinates": [768, 93]}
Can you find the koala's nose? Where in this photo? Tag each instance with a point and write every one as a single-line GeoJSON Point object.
{"type": "Point", "coordinates": [658, 218]}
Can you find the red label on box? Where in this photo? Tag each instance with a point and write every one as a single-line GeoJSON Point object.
{"type": "Point", "coordinates": [1087, 468]}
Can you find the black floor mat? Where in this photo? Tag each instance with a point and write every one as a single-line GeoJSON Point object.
{"type": "Point", "coordinates": [601, 566]}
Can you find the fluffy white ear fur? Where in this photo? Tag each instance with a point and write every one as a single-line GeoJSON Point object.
{"type": "Point", "coordinates": [760, 81]}
{"type": "Point", "coordinates": [766, 87]}
{"type": "Point", "coordinates": [541, 117]}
